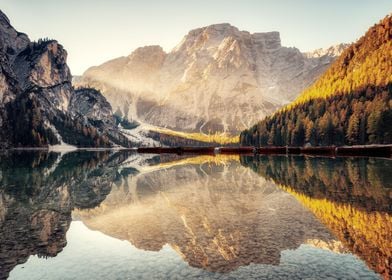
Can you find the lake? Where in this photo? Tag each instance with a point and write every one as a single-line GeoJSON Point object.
{"type": "Point", "coordinates": [122, 215]}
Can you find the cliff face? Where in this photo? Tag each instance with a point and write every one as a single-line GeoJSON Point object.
{"type": "Point", "coordinates": [11, 41]}
{"type": "Point", "coordinates": [92, 105]}
{"type": "Point", "coordinates": [217, 78]}
{"type": "Point", "coordinates": [35, 96]}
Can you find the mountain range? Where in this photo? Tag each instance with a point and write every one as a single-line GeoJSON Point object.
{"type": "Point", "coordinates": [217, 79]}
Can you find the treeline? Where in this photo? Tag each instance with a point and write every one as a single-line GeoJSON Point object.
{"type": "Point", "coordinates": [26, 124]}
{"type": "Point", "coordinates": [362, 117]}
{"type": "Point", "coordinates": [79, 133]}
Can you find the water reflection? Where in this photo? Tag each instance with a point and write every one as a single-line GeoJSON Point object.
{"type": "Point", "coordinates": [365, 183]}
{"type": "Point", "coordinates": [37, 195]}
{"type": "Point", "coordinates": [351, 196]}
{"type": "Point", "coordinates": [217, 215]}
{"type": "Point", "coordinates": [215, 212]}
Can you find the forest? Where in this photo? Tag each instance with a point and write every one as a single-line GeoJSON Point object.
{"type": "Point", "coordinates": [27, 117]}
{"type": "Point", "coordinates": [362, 117]}
{"type": "Point", "coordinates": [349, 104]}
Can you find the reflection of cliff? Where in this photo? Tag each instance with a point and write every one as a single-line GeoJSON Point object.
{"type": "Point", "coordinates": [25, 231]}
{"type": "Point", "coordinates": [367, 234]}
{"type": "Point", "coordinates": [216, 216]}
{"type": "Point", "coordinates": [352, 197]}
{"type": "Point", "coordinates": [37, 194]}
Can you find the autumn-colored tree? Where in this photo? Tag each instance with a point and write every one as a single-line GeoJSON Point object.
{"type": "Point", "coordinates": [353, 129]}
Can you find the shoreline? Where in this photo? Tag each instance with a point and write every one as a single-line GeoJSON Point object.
{"type": "Point", "coordinates": [358, 150]}
{"type": "Point", "coordinates": [374, 150]}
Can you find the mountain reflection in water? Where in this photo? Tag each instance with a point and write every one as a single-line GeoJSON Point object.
{"type": "Point", "coordinates": [217, 213]}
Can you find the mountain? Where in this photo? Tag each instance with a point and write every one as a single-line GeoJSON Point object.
{"type": "Point", "coordinates": [217, 79]}
{"type": "Point", "coordinates": [351, 103]}
{"type": "Point", "coordinates": [37, 100]}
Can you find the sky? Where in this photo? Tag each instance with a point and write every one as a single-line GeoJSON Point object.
{"type": "Point", "coordinates": [94, 31]}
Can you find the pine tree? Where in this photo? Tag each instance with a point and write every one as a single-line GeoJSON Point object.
{"type": "Point", "coordinates": [310, 132]}
{"type": "Point", "coordinates": [353, 129]}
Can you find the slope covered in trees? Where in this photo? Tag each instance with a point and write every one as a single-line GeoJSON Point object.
{"type": "Point", "coordinates": [350, 104]}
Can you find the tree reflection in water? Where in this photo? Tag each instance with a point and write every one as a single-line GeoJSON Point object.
{"type": "Point", "coordinates": [351, 196]}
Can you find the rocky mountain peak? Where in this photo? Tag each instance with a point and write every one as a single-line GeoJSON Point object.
{"type": "Point", "coordinates": [146, 50]}
{"type": "Point", "coordinates": [209, 37]}
{"type": "Point", "coordinates": [11, 41]}
{"type": "Point", "coordinates": [51, 68]}
{"type": "Point", "coordinates": [220, 29]}
{"type": "Point", "coordinates": [269, 40]}
{"type": "Point", "coordinates": [213, 35]}
{"type": "Point", "coordinates": [4, 19]}
{"type": "Point", "coordinates": [213, 30]}
{"type": "Point", "coordinates": [148, 55]}
{"type": "Point", "coordinates": [332, 51]}
{"type": "Point", "coordinates": [42, 64]}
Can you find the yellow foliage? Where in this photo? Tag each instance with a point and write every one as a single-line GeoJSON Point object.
{"type": "Point", "coordinates": [203, 159]}
{"type": "Point", "coordinates": [367, 234]}
{"type": "Point", "coordinates": [354, 79]}
{"type": "Point", "coordinates": [220, 138]}
{"type": "Point", "coordinates": [368, 62]}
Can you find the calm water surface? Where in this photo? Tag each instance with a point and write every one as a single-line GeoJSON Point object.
{"type": "Point", "coordinates": [118, 215]}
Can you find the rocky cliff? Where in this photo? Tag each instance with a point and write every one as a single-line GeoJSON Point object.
{"type": "Point", "coordinates": [217, 78]}
{"type": "Point", "coordinates": [36, 94]}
